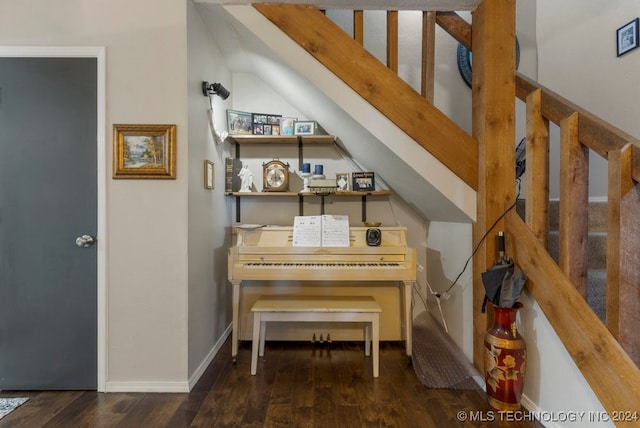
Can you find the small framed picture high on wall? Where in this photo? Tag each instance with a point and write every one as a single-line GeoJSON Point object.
{"type": "Point", "coordinates": [627, 37]}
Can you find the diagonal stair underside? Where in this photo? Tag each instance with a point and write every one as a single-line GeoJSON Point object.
{"type": "Point", "coordinates": [380, 86]}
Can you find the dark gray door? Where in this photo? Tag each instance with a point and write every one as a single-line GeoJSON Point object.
{"type": "Point", "coordinates": [48, 179]}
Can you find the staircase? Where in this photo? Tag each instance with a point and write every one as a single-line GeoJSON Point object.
{"type": "Point", "coordinates": [486, 165]}
{"type": "Point", "coordinates": [596, 251]}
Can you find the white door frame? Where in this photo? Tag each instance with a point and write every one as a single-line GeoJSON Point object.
{"type": "Point", "coordinates": [97, 52]}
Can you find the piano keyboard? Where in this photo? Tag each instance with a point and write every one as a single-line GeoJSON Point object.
{"type": "Point", "coordinates": [346, 265]}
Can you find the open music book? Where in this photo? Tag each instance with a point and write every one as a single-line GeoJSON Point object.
{"type": "Point", "coordinates": [321, 231]}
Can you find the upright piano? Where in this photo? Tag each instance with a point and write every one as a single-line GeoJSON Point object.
{"type": "Point", "coordinates": [266, 253]}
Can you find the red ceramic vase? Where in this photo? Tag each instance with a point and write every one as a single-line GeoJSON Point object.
{"type": "Point", "coordinates": [505, 355]}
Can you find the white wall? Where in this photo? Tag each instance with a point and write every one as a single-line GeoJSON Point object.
{"type": "Point", "coordinates": [578, 61]}
{"type": "Point", "coordinates": [209, 214]}
{"type": "Point", "coordinates": [146, 219]}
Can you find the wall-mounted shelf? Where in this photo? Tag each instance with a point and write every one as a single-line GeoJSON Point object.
{"type": "Point", "coordinates": [300, 141]}
{"type": "Point", "coordinates": [281, 139]}
{"type": "Point", "coordinates": [308, 194]}
{"type": "Point", "coordinates": [302, 195]}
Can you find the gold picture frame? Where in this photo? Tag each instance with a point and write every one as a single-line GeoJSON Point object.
{"type": "Point", "coordinates": [144, 151]}
{"type": "Point", "coordinates": [209, 175]}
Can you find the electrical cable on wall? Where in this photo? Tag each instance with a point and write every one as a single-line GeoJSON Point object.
{"type": "Point", "coordinates": [445, 295]}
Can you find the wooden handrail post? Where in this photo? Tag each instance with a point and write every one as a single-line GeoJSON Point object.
{"type": "Point", "coordinates": [493, 99]}
{"type": "Point", "coordinates": [574, 203]}
{"type": "Point", "coordinates": [358, 26]}
{"type": "Point", "coordinates": [537, 206]}
{"type": "Point", "coordinates": [428, 54]}
{"type": "Point", "coordinates": [392, 40]}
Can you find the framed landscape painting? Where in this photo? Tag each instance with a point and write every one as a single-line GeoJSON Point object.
{"type": "Point", "coordinates": [144, 151]}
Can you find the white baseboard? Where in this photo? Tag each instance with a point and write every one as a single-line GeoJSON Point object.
{"type": "Point", "coordinates": [150, 386]}
{"type": "Point", "coordinates": [197, 374]}
{"type": "Point", "coordinates": [171, 387]}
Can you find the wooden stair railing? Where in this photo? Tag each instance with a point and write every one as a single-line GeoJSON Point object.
{"type": "Point", "coordinates": [612, 375]}
{"type": "Point", "coordinates": [610, 370]}
{"type": "Point", "coordinates": [379, 85]}
{"type": "Point", "coordinates": [581, 132]}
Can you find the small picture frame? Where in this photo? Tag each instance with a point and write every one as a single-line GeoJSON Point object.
{"type": "Point", "coordinates": [363, 181]}
{"type": "Point", "coordinates": [260, 118]}
{"type": "Point", "coordinates": [239, 122]}
{"type": "Point", "coordinates": [342, 182]}
{"type": "Point", "coordinates": [144, 151]}
{"type": "Point", "coordinates": [287, 125]}
{"type": "Point", "coordinates": [258, 128]}
{"type": "Point", "coordinates": [274, 119]}
{"type": "Point", "coordinates": [627, 37]}
{"type": "Point", "coordinates": [305, 128]}
{"type": "Point", "coordinates": [209, 175]}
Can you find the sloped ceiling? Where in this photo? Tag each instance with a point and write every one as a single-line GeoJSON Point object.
{"type": "Point", "coordinates": [431, 189]}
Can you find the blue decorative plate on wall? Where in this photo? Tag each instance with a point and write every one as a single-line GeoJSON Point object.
{"type": "Point", "coordinates": [465, 60]}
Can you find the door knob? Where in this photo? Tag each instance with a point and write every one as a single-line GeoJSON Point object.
{"type": "Point", "coordinates": [85, 241]}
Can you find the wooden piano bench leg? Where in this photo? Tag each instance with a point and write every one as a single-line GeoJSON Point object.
{"type": "Point", "coordinates": [257, 342]}
{"type": "Point", "coordinates": [367, 338]}
{"type": "Point", "coordinates": [375, 327]}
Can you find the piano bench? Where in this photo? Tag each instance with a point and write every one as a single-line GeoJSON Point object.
{"type": "Point", "coordinates": [292, 308]}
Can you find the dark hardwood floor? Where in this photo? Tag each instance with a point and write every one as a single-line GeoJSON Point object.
{"type": "Point", "coordinates": [298, 384]}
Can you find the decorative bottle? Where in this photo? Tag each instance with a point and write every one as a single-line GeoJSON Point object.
{"type": "Point", "coordinates": [505, 357]}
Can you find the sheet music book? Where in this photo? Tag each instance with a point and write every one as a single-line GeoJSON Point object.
{"type": "Point", "coordinates": [321, 231]}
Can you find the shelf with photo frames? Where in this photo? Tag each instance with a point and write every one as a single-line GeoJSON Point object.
{"type": "Point", "coordinates": [300, 140]}
{"type": "Point", "coordinates": [281, 139]}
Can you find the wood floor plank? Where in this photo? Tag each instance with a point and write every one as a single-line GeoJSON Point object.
{"type": "Point", "coordinates": [281, 391]}
{"type": "Point", "coordinates": [297, 385]}
{"type": "Point", "coordinates": [41, 407]}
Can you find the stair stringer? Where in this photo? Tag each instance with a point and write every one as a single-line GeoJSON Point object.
{"type": "Point", "coordinates": [445, 196]}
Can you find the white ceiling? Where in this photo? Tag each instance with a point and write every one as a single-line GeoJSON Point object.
{"type": "Point", "coordinates": [428, 5]}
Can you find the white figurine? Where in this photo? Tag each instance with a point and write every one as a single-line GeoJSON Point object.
{"type": "Point", "coordinates": [246, 179]}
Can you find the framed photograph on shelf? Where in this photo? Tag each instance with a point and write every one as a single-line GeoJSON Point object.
{"type": "Point", "coordinates": [287, 125]}
{"type": "Point", "coordinates": [304, 128]}
{"type": "Point", "coordinates": [239, 122]}
{"type": "Point", "coordinates": [342, 182]}
{"type": "Point", "coordinates": [274, 119]}
{"type": "Point", "coordinates": [259, 118]}
{"type": "Point", "coordinates": [258, 128]}
{"type": "Point", "coordinates": [144, 151]}
{"type": "Point", "coordinates": [363, 181]}
{"type": "Point", "coordinates": [209, 175]}
{"type": "Point", "coordinates": [627, 37]}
